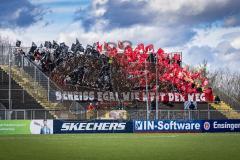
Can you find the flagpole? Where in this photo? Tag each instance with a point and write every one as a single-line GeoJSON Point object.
{"type": "Point", "coordinates": [146, 90]}
{"type": "Point", "coordinates": [157, 96]}
{"type": "Point", "coordinates": [9, 82]}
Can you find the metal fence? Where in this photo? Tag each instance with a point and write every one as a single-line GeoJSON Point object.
{"type": "Point", "coordinates": [40, 82]}
{"type": "Point", "coordinates": [4, 54]}
{"type": "Point", "coordinates": [104, 114]}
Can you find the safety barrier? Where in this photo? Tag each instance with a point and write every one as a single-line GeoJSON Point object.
{"type": "Point", "coordinates": [29, 114]}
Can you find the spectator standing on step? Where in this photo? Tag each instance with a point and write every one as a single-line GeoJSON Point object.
{"type": "Point", "coordinates": [217, 100]}
{"type": "Point", "coordinates": [90, 111]}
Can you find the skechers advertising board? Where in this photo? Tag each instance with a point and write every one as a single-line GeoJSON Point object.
{"type": "Point", "coordinates": [98, 126]}
{"type": "Point", "coordinates": [26, 127]}
{"type": "Point", "coordinates": [187, 126]}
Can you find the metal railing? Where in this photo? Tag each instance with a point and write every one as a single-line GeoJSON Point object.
{"type": "Point", "coordinates": [40, 81]}
{"type": "Point", "coordinates": [21, 114]}
{"type": "Point", "coordinates": [167, 115]}
{"type": "Point", "coordinates": [116, 114]}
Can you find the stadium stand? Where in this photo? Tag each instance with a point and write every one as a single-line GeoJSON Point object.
{"type": "Point", "coordinates": [104, 68]}
{"type": "Point", "coordinates": [94, 68]}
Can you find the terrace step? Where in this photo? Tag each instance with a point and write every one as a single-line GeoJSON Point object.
{"type": "Point", "coordinates": [226, 110]}
{"type": "Point", "coordinates": [36, 91]}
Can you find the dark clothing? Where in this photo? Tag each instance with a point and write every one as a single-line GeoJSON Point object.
{"type": "Point", "coordinates": [153, 105]}
{"type": "Point", "coordinates": [192, 106]}
{"type": "Point", "coordinates": [217, 100]}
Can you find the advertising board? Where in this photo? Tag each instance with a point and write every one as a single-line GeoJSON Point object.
{"type": "Point", "coordinates": [98, 126]}
{"type": "Point", "coordinates": [167, 126]}
{"type": "Point", "coordinates": [26, 127]}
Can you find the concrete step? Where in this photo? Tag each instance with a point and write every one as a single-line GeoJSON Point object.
{"type": "Point", "coordinates": [226, 110]}
{"type": "Point", "coordinates": [34, 89]}
{"type": "Point", "coordinates": [27, 84]}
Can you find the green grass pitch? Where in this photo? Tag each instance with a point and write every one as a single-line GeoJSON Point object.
{"type": "Point", "coordinates": [219, 146]}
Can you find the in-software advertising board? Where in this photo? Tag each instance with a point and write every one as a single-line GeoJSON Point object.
{"type": "Point", "coordinates": [167, 126]}
{"type": "Point", "coordinates": [187, 126]}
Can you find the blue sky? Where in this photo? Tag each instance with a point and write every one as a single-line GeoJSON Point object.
{"type": "Point", "coordinates": [201, 29]}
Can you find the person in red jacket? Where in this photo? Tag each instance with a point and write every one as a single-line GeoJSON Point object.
{"type": "Point", "coordinates": [90, 111]}
{"type": "Point", "coordinates": [209, 94]}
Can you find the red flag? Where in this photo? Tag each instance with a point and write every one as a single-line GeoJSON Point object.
{"type": "Point", "coordinates": [149, 48]}
{"type": "Point", "coordinates": [120, 44]}
{"type": "Point", "coordinates": [99, 47]}
{"type": "Point", "coordinates": [106, 46]}
{"type": "Point", "coordinates": [176, 57]}
{"type": "Point", "coordinates": [140, 48]}
{"type": "Point", "coordinates": [160, 52]}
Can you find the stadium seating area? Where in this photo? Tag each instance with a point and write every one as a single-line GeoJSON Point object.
{"type": "Point", "coordinates": [116, 68]}
{"type": "Point", "coordinates": [108, 68]}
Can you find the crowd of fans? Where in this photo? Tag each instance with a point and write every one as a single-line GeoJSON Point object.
{"type": "Point", "coordinates": [114, 68]}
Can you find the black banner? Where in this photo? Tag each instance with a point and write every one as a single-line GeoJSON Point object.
{"type": "Point", "coordinates": [97, 126]}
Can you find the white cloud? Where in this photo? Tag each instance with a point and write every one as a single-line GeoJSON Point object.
{"type": "Point", "coordinates": [51, 1]}
{"type": "Point", "coordinates": [191, 7]}
{"type": "Point", "coordinates": [176, 5]}
{"type": "Point", "coordinates": [60, 10]}
{"type": "Point", "coordinates": [99, 2]}
{"type": "Point", "coordinates": [213, 36]}
{"type": "Point", "coordinates": [236, 43]}
{"type": "Point", "coordinates": [160, 36]}
{"type": "Point", "coordinates": [191, 13]}
{"type": "Point", "coordinates": [37, 33]}
{"type": "Point", "coordinates": [219, 46]}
